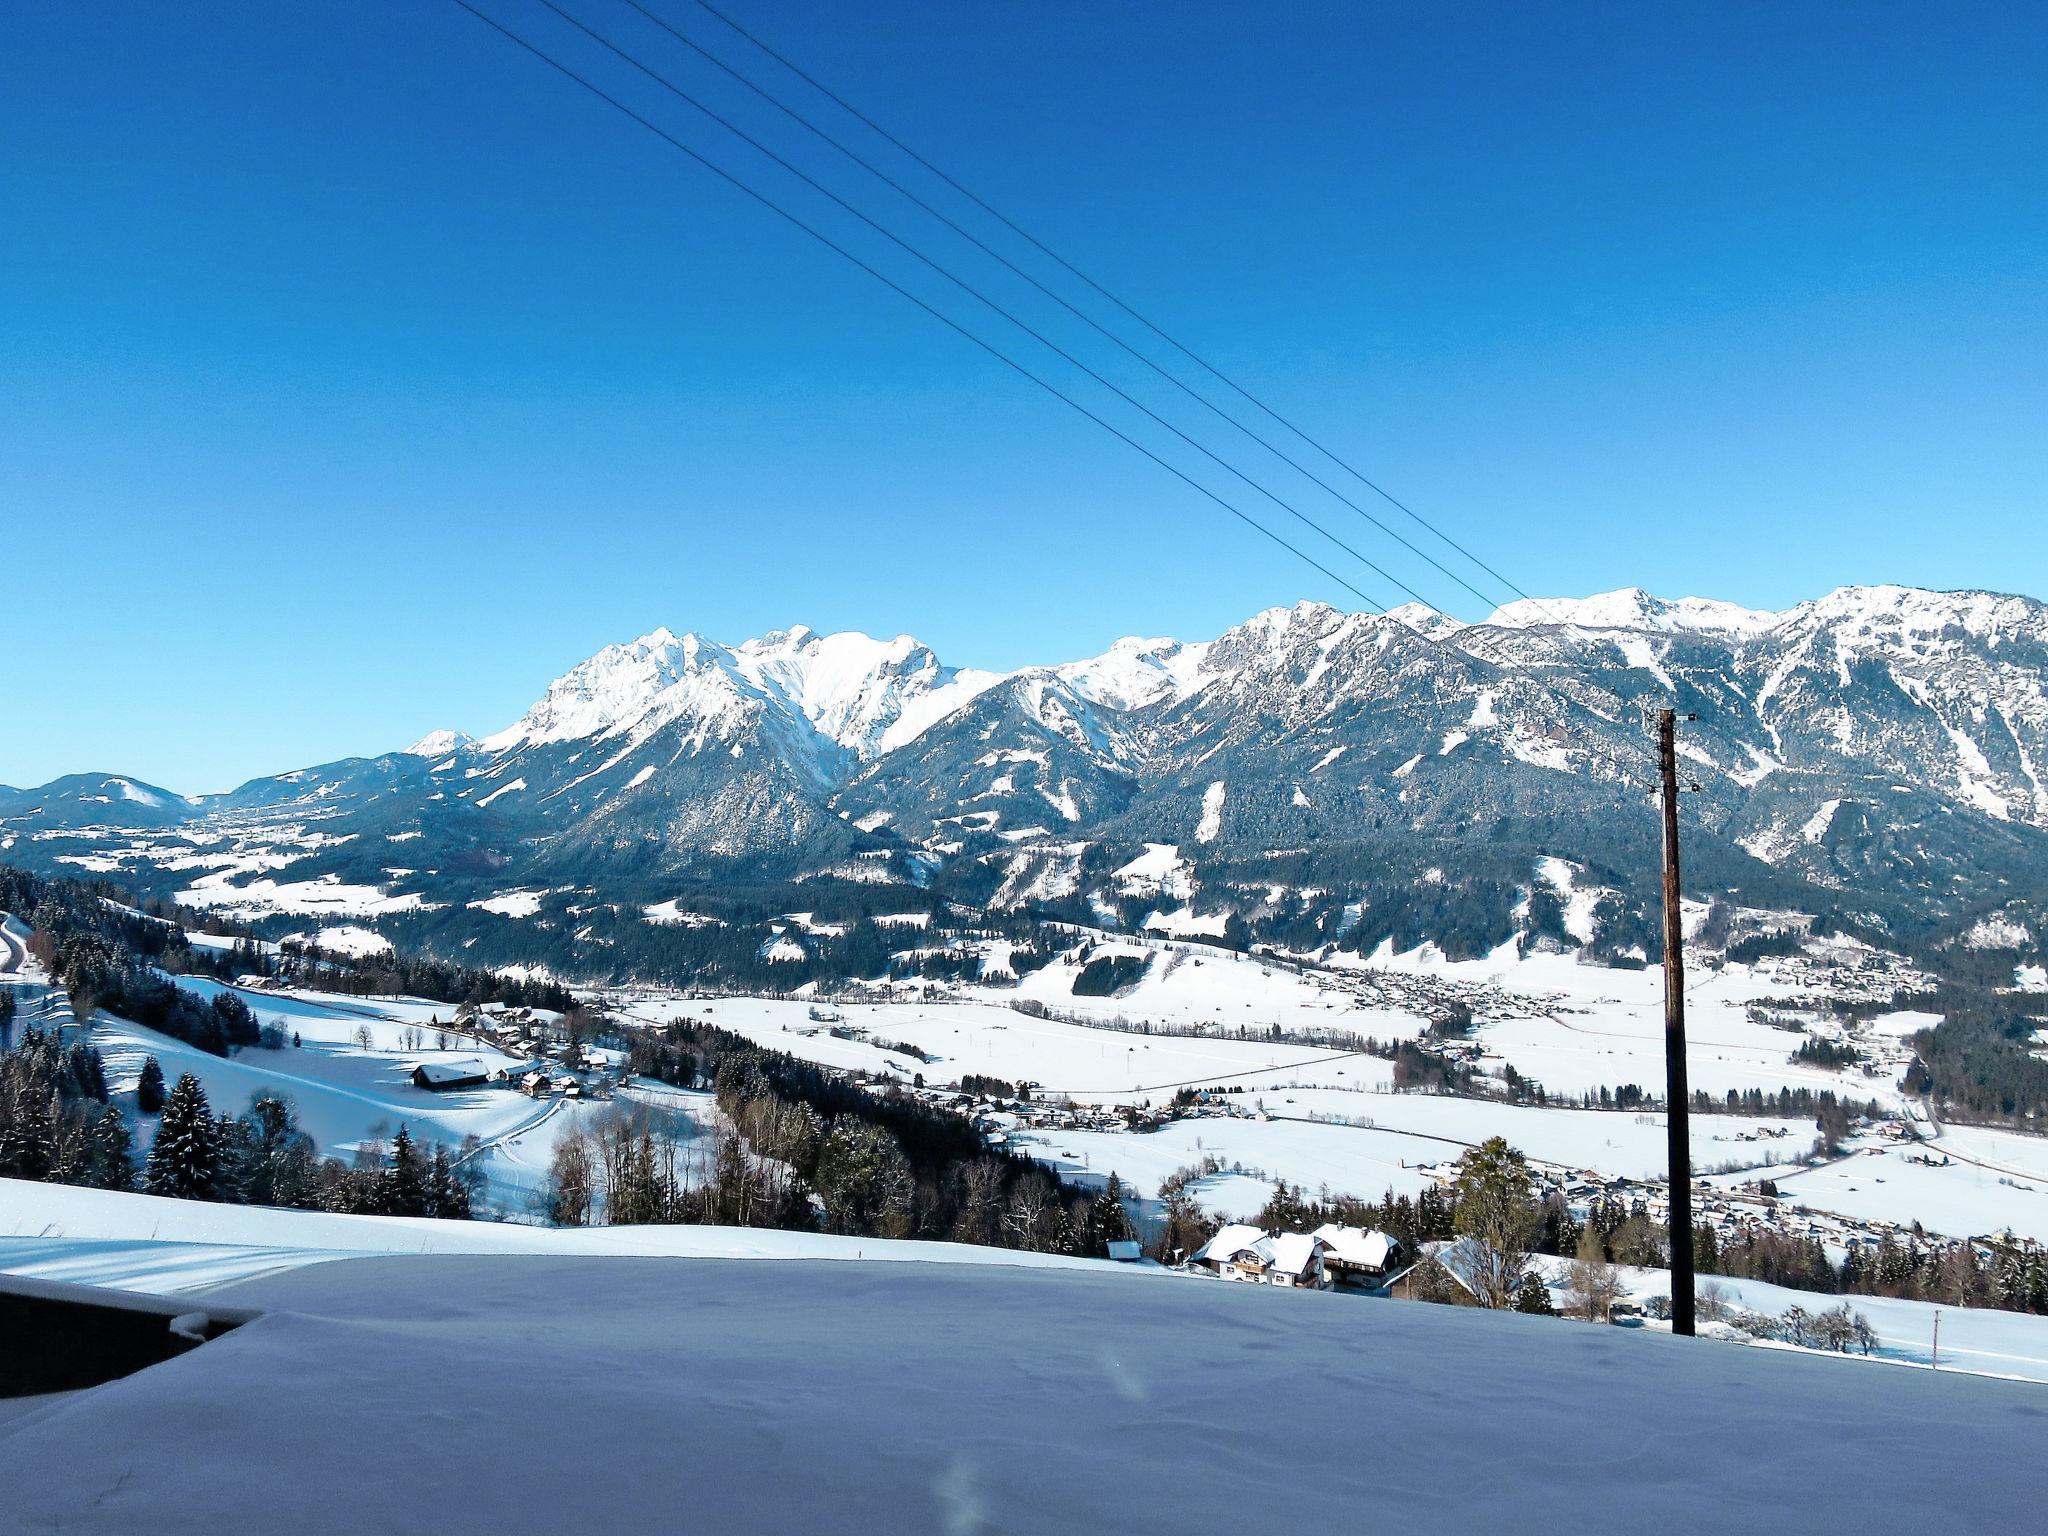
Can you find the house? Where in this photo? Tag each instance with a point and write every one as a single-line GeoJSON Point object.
{"type": "Point", "coordinates": [1242, 1252]}
{"type": "Point", "coordinates": [1358, 1259]}
{"type": "Point", "coordinates": [463, 1072]}
{"type": "Point", "coordinates": [1446, 1271]}
{"type": "Point", "coordinates": [1295, 1259]}
{"type": "Point", "coordinates": [1233, 1253]}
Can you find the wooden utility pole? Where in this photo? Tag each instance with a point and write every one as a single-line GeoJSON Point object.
{"type": "Point", "coordinates": [1677, 1099]}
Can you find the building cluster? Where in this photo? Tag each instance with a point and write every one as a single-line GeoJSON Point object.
{"type": "Point", "coordinates": [1331, 1258]}
{"type": "Point", "coordinates": [543, 1064]}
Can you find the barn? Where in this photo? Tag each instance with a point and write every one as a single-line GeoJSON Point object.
{"type": "Point", "coordinates": [464, 1072]}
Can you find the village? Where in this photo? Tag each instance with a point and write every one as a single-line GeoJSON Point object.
{"type": "Point", "coordinates": [553, 1056]}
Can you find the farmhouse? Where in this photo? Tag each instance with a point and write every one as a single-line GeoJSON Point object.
{"type": "Point", "coordinates": [1241, 1252]}
{"type": "Point", "coordinates": [1232, 1253]}
{"type": "Point", "coordinates": [1357, 1259]}
{"type": "Point", "coordinates": [464, 1072]}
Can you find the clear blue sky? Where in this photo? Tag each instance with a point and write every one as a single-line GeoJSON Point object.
{"type": "Point", "coordinates": [358, 375]}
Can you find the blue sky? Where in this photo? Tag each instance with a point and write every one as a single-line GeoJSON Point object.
{"type": "Point", "coordinates": [359, 375]}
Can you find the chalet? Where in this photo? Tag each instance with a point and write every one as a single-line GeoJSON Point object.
{"type": "Point", "coordinates": [1295, 1259]}
{"type": "Point", "coordinates": [463, 1072]}
{"type": "Point", "coordinates": [1233, 1253]}
{"type": "Point", "coordinates": [1356, 1259]}
{"type": "Point", "coordinates": [1241, 1252]}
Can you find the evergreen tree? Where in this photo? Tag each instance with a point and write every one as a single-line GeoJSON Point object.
{"type": "Point", "coordinates": [864, 1180]}
{"type": "Point", "coordinates": [1532, 1295]}
{"type": "Point", "coordinates": [405, 1181]}
{"type": "Point", "coordinates": [1285, 1211]}
{"type": "Point", "coordinates": [112, 1157]}
{"type": "Point", "coordinates": [1496, 1211]}
{"type": "Point", "coordinates": [1112, 1218]}
{"type": "Point", "coordinates": [184, 1160]}
{"type": "Point", "coordinates": [278, 1166]}
{"type": "Point", "coordinates": [149, 1088]}
{"type": "Point", "coordinates": [567, 1194]}
{"type": "Point", "coordinates": [28, 1131]}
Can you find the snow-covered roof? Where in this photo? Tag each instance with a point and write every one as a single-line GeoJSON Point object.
{"type": "Point", "coordinates": [1292, 1253]}
{"type": "Point", "coordinates": [1231, 1240]}
{"type": "Point", "coordinates": [1357, 1245]}
{"type": "Point", "coordinates": [452, 1071]}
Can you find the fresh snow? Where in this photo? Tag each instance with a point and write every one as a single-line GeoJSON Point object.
{"type": "Point", "coordinates": [1631, 608]}
{"type": "Point", "coordinates": [521, 903]}
{"type": "Point", "coordinates": [401, 1393]}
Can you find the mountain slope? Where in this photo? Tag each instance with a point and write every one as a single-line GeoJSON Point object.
{"type": "Point", "coordinates": [1879, 752]}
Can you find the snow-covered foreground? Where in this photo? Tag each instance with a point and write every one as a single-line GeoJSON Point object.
{"type": "Point", "coordinates": [143, 1243]}
{"type": "Point", "coordinates": [492, 1396]}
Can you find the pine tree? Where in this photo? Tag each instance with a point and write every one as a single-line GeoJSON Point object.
{"type": "Point", "coordinates": [112, 1153]}
{"type": "Point", "coordinates": [405, 1180]}
{"type": "Point", "coordinates": [1498, 1215]}
{"type": "Point", "coordinates": [28, 1133]}
{"type": "Point", "coordinates": [1112, 1219]}
{"type": "Point", "coordinates": [1532, 1295]}
{"type": "Point", "coordinates": [149, 1088]}
{"type": "Point", "coordinates": [184, 1160]}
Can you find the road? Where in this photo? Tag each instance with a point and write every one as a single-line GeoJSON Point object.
{"type": "Point", "coordinates": [16, 954]}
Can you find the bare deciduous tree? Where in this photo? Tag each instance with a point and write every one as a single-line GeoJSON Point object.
{"type": "Point", "coordinates": [1594, 1285]}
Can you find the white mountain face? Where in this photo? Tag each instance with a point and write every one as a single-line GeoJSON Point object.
{"type": "Point", "coordinates": [1879, 745]}
{"type": "Point", "coordinates": [1632, 608]}
{"type": "Point", "coordinates": [861, 694]}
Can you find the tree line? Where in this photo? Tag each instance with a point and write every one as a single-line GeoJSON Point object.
{"type": "Point", "coordinates": [814, 1151]}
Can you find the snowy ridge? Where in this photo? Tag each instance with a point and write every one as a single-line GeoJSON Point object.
{"type": "Point", "coordinates": [1633, 608]}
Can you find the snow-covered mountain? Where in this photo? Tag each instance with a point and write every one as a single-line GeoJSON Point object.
{"type": "Point", "coordinates": [1879, 751]}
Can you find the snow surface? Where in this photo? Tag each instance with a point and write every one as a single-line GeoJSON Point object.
{"type": "Point", "coordinates": [1633, 608]}
{"type": "Point", "coordinates": [146, 1243]}
{"type": "Point", "coordinates": [480, 1395]}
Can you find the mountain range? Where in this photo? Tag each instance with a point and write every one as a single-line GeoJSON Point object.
{"type": "Point", "coordinates": [1876, 754]}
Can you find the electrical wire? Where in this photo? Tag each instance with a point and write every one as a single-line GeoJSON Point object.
{"type": "Point", "coordinates": [889, 282]}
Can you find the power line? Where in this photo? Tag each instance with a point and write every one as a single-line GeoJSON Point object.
{"type": "Point", "coordinates": [1032, 240]}
{"type": "Point", "coordinates": [1571, 663]}
{"type": "Point", "coordinates": [766, 201]}
{"type": "Point", "coordinates": [889, 282]}
{"type": "Point", "coordinates": [1060, 299]}
{"type": "Point", "coordinates": [966, 287]}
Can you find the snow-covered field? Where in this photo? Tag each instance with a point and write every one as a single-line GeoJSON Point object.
{"type": "Point", "coordinates": [346, 1093]}
{"type": "Point", "coordinates": [166, 1247]}
{"type": "Point", "coordinates": [1407, 1133]}
{"type": "Point", "coordinates": [1098, 1065]}
{"type": "Point", "coordinates": [1982, 1340]}
{"type": "Point", "coordinates": [1558, 1021]}
{"type": "Point", "coordinates": [1992, 1180]}
{"type": "Point", "coordinates": [492, 1395]}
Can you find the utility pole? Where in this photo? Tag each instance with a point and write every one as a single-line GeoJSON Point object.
{"type": "Point", "coordinates": [1678, 1101]}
